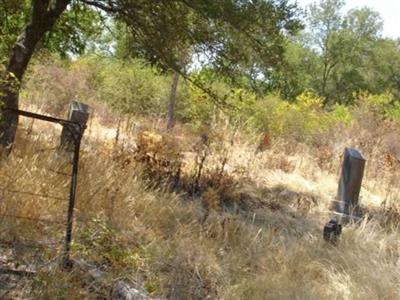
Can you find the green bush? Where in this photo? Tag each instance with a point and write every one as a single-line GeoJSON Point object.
{"type": "Point", "coordinates": [393, 112]}
{"type": "Point", "coordinates": [340, 114]}
{"type": "Point", "coordinates": [131, 87]}
{"type": "Point", "coordinates": [195, 107]}
{"type": "Point", "coordinates": [300, 120]}
{"type": "Point", "coordinates": [379, 106]}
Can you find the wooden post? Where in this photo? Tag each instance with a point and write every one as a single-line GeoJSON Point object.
{"type": "Point", "coordinates": [79, 113]}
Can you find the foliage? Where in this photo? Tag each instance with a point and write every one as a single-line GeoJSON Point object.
{"type": "Point", "coordinates": [300, 119]}
{"type": "Point", "coordinates": [393, 112]}
{"type": "Point", "coordinates": [337, 55]}
{"type": "Point", "coordinates": [76, 27]}
{"type": "Point", "coordinates": [131, 87]}
{"type": "Point", "coordinates": [208, 29]}
{"type": "Point", "coordinates": [299, 71]}
{"type": "Point", "coordinates": [52, 83]}
{"type": "Point", "coordinates": [382, 106]}
{"type": "Point", "coordinates": [12, 16]}
{"type": "Point", "coordinates": [341, 114]}
{"type": "Point", "coordinates": [136, 88]}
{"type": "Point", "coordinates": [384, 67]}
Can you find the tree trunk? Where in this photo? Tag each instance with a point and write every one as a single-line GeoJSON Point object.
{"type": "Point", "coordinates": [42, 20]}
{"type": "Point", "coordinates": [172, 101]}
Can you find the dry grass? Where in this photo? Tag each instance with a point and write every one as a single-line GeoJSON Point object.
{"type": "Point", "coordinates": [267, 245]}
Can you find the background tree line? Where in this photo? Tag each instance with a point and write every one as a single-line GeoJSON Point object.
{"type": "Point", "coordinates": [339, 54]}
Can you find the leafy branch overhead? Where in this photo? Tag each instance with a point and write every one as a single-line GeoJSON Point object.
{"type": "Point", "coordinates": [230, 34]}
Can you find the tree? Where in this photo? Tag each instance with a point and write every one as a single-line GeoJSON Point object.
{"type": "Point", "coordinates": [299, 72]}
{"type": "Point", "coordinates": [326, 22]}
{"type": "Point", "coordinates": [383, 67]}
{"type": "Point", "coordinates": [40, 31]}
{"type": "Point", "coordinates": [342, 43]}
{"type": "Point", "coordinates": [43, 17]}
{"type": "Point", "coordinates": [236, 39]}
{"type": "Point", "coordinates": [12, 15]}
{"type": "Point", "coordinates": [359, 35]}
{"type": "Point", "coordinates": [211, 27]}
{"type": "Point", "coordinates": [70, 34]}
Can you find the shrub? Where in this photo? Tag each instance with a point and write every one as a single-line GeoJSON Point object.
{"type": "Point", "coordinates": [393, 112]}
{"type": "Point", "coordinates": [380, 105]}
{"type": "Point", "coordinates": [340, 114]}
{"type": "Point", "coordinates": [131, 87]}
{"type": "Point", "coordinates": [160, 156]}
{"type": "Point", "coordinates": [52, 84]}
{"type": "Point", "coordinates": [300, 120]}
{"type": "Point", "coordinates": [297, 120]}
{"type": "Point", "coordinates": [196, 108]}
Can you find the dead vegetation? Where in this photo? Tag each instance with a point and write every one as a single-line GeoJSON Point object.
{"type": "Point", "coordinates": [216, 222]}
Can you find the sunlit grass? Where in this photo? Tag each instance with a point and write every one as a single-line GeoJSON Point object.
{"type": "Point", "coordinates": [134, 230]}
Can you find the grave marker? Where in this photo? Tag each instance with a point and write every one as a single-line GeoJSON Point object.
{"type": "Point", "coordinates": [346, 206]}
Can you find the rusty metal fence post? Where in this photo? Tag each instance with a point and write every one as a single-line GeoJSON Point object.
{"type": "Point", "coordinates": [71, 136]}
{"type": "Point", "coordinates": [346, 206]}
{"type": "Point", "coordinates": [70, 142]}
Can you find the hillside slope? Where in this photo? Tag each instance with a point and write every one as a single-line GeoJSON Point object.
{"type": "Point", "coordinates": [248, 227]}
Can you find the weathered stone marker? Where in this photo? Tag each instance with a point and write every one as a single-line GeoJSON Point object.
{"type": "Point", "coordinates": [350, 184]}
{"type": "Point", "coordinates": [346, 206]}
{"type": "Point", "coordinates": [79, 113]}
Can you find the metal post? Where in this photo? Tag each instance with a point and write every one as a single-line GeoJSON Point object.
{"type": "Point", "coordinates": [71, 136]}
{"type": "Point", "coordinates": [70, 141]}
{"type": "Point", "coordinates": [346, 206]}
{"type": "Point", "coordinates": [67, 264]}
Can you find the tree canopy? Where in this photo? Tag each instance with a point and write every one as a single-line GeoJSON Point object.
{"type": "Point", "coordinates": [70, 35]}
{"type": "Point", "coordinates": [230, 33]}
{"type": "Point", "coordinates": [338, 54]}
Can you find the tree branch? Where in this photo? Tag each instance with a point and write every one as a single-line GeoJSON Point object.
{"type": "Point", "coordinates": [97, 4]}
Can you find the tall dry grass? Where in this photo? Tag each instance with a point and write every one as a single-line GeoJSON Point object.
{"type": "Point", "coordinates": [256, 235]}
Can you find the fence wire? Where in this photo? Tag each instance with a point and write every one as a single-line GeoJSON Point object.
{"type": "Point", "coordinates": [72, 132]}
{"type": "Point", "coordinates": [34, 194]}
{"type": "Point", "coordinates": [31, 219]}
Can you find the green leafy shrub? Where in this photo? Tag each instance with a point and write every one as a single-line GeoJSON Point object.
{"type": "Point", "coordinates": [131, 87]}
{"type": "Point", "coordinates": [299, 119]}
{"type": "Point", "coordinates": [375, 104]}
{"type": "Point", "coordinates": [378, 106]}
{"type": "Point", "coordinates": [196, 108]}
{"type": "Point", "coordinates": [393, 112]}
{"type": "Point", "coordinates": [340, 114]}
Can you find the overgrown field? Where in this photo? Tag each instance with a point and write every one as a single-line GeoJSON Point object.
{"type": "Point", "coordinates": [205, 211]}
